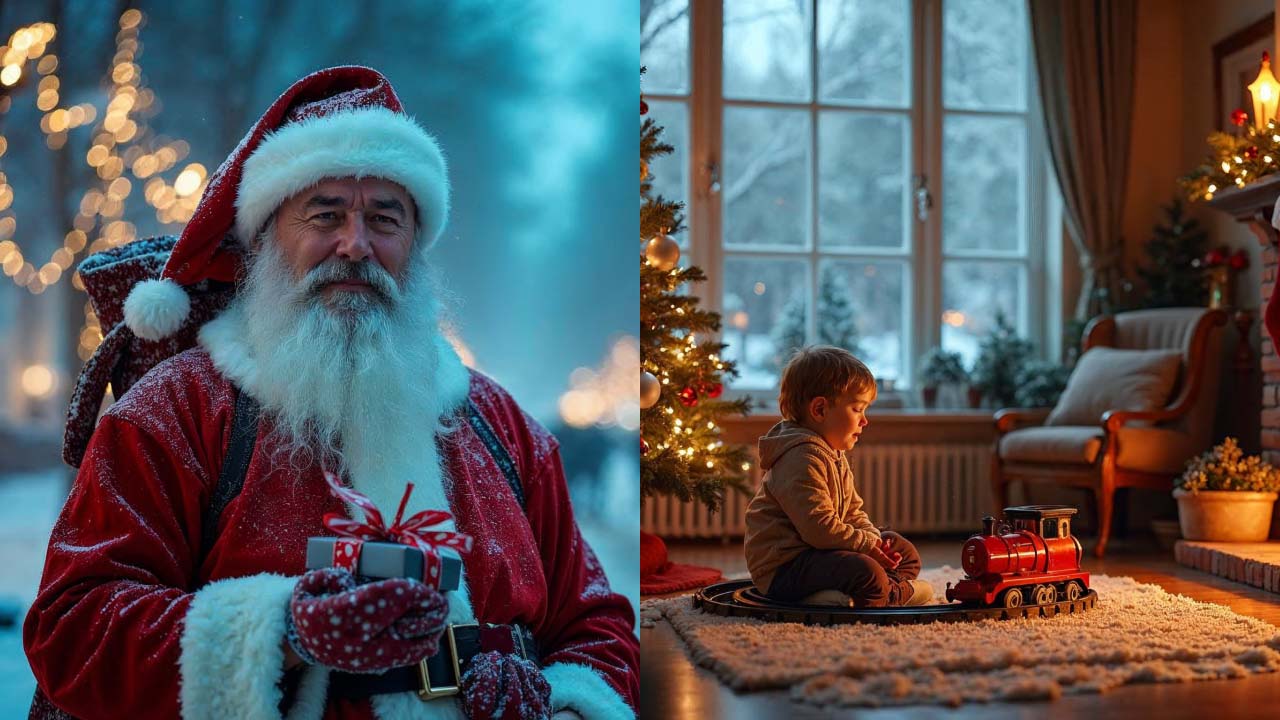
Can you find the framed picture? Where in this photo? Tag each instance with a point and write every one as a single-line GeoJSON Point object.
{"type": "Point", "coordinates": [1236, 60]}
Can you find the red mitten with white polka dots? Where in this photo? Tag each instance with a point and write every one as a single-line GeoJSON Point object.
{"type": "Point", "coordinates": [364, 628]}
{"type": "Point", "coordinates": [505, 687]}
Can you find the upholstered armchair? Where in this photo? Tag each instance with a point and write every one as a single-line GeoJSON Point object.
{"type": "Point", "coordinates": [1127, 419]}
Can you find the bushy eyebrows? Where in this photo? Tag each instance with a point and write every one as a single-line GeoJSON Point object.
{"type": "Point", "coordinates": [325, 201]}
{"type": "Point", "coordinates": [331, 201]}
{"type": "Point", "coordinates": [389, 204]}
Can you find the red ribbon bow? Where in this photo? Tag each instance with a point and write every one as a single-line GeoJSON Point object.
{"type": "Point", "coordinates": [411, 531]}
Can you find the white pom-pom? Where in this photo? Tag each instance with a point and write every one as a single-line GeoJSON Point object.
{"type": "Point", "coordinates": [156, 308]}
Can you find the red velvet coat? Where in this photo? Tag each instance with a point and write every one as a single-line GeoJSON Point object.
{"type": "Point", "coordinates": [128, 624]}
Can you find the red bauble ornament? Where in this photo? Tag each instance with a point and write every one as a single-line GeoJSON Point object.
{"type": "Point", "coordinates": [1215, 257]}
{"type": "Point", "coordinates": [1239, 117]}
{"type": "Point", "coordinates": [644, 447]}
{"type": "Point", "coordinates": [712, 390]}
{"type": "Point", "coordinates": [1251, 152]}
{"type": "Point", "coordinates": [1239, 260]}
{"type": "Point", "coordinates": [688, 397]}
{"type": "Point", "coordinates": [644, 107]}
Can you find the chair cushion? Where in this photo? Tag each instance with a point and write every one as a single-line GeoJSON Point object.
{"type": "Point", "coordinates": [1147, 449]}
{"type": "Point", "coordinates": [1060, 444]}
{"type": "Point", "coordinates": [1110, 379]}
{"type": "Point", "coordinates": [1153, 450]}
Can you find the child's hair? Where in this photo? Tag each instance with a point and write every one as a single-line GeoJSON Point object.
{"type": "Point", "coordinates": [820, 371]}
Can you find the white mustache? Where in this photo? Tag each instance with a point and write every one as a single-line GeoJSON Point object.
{"type": "Point", "coordinates": [336, 270]}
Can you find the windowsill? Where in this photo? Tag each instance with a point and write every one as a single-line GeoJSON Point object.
{"type": "Point", "coordinates": [904, 425]}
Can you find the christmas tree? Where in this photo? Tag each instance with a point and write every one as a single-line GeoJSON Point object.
{"type": "Point", "coordinates": [682, 371]}
{"type": "Point", "coordinates": [788, 330]}
{"type": "Point", "coordinates": [836, 324]}
{"type": "Point", "coordinates": [1173, 274]}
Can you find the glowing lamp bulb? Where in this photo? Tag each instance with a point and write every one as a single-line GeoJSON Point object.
{"type": "Point", "coordinates": [1266, 94]}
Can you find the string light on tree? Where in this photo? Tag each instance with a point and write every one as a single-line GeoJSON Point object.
{"type": "Point", "coordinates": [117, 141]}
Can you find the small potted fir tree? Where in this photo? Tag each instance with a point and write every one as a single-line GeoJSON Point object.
{"type": "Point", "coordinates": [1001, 356]}
{"type": "Point", "coordinates": [939, 367]}
{"type": "Point", "coordinates": [1224, 496]}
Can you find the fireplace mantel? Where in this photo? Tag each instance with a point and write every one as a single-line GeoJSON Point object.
{"type": "Point", "coordinates": [1252, 205]}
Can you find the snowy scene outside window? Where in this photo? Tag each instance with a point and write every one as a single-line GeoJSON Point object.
{"type": "Point", "coordinates": [836, 163]}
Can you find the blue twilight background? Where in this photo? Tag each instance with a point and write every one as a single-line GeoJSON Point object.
{"type": "Point", "coordinates": [535, 104]}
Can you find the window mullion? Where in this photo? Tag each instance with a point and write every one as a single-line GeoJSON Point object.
{"type": "Point", "coordinates": [814, 256]}
{"type": "Point", "coordinates": [927, 118]}
{"type": "Point", "coordinates": [706, 118]}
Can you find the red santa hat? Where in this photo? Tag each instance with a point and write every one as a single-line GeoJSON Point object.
{"type": "Point", "coordinates": [339, 122]}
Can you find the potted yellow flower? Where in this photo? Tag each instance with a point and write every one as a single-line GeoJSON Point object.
{"type": "Point", "coordinates": [1224, 496]}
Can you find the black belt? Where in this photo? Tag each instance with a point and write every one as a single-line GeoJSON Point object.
{"type": "Point", "coordinates": [441, 674]}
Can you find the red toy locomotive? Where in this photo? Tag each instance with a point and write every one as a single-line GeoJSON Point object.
{"type": "Point", "coordinates": [1030, 557]}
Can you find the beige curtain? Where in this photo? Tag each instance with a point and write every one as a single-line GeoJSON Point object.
{"type": "Point", "coordinates": [1084, 51]}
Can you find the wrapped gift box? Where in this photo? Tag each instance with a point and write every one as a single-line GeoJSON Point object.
{"type": "Point", "coordinates": [381, 560]}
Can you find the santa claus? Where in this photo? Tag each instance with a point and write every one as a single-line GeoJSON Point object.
{"type": "Point", "coordinates": [176, 583]}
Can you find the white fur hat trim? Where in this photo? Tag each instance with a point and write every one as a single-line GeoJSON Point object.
{"type": "Point", "coordinates": [155, 309]}
{"type": "Point", "coordinates": [372, 142]}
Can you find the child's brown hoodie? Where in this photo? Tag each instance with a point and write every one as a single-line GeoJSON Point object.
{"type": "Point", "coordinates": [807, 500]}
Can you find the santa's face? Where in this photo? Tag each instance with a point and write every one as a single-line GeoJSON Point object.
{"type": "Point", "coordinates": [347, 221]}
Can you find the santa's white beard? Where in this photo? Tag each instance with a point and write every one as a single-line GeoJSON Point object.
{"type": "Point", "coordinates": [352, 381]}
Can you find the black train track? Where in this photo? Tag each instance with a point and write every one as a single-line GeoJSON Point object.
{"type": "Point", "coordinates": [739, 598]}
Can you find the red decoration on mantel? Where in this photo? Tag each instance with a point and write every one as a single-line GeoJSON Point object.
{"type": "Point", "coordinates": [1239, 117]}
{"type": "Point", "coordinates": [1239, 260]}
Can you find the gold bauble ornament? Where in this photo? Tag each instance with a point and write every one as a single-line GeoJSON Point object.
{"type": "Point", "coordinates": [650, 389]}
{"type": "Point", "coordinates": [662, 252]}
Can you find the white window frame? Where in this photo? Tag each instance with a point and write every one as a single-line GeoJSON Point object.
{"type": "Point", "coordinates": [1040, 310]}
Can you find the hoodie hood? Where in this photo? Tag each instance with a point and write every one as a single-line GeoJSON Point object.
{"type": "Point", "coordinates": [784, 437]}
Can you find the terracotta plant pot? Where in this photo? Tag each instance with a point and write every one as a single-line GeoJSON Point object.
{"type": "Point", "coordinates": [1225, 515]}
{"type": "Point", "coordinates": [975, 397]}
{"type": "Point", "coordinates": [929, 394]}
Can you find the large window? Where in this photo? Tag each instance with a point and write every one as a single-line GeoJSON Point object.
{"type": "Point", "coordinates": [865, 173]}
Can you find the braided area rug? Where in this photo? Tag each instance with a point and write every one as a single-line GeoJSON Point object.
{"type": "Point", "coordinates": [1137, 633]}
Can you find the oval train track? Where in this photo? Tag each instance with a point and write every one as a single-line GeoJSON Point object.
{"type": "Point", "coordinates": [739, 598]}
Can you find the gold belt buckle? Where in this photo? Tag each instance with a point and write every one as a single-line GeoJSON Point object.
{"type": "Point", "coordinates": [428, 691]}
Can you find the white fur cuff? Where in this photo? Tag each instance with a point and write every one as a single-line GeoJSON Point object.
{"type": "Point", "coordinates": [582, 689]}
{"type": "Point", "coordinates": [232, 653]}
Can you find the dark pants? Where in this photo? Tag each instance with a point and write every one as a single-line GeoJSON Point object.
{"type": "Point", "coordinates": [852, 573]}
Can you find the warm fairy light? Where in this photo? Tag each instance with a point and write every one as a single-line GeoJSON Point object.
{"type": "Point", "coordinates": [954, 318]}
{"type": "Point", "coordinates": [189, 180]}
{"type": "Point", "coordinates": [606, 397]}
{"type": "Point", "coordinates": [37, 381]}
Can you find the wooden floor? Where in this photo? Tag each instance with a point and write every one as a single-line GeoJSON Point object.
{"type": "Point", "coordinates": [672, 687]}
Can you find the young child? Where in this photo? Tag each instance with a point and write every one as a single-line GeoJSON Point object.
{"type": "Point", "coordinates": [807, 534]}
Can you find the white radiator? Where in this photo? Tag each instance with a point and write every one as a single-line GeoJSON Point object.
{"type": "Point", "coordinates": [907, 487]}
